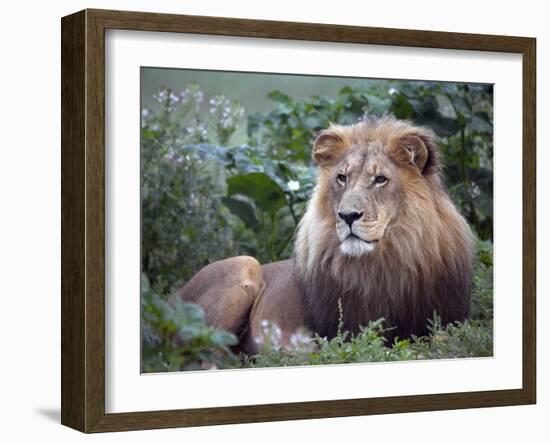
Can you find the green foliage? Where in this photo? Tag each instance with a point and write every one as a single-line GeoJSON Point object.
{"type": "Point", "coordinates": [260, 188]}
{"type": "Point", "coordinates": [268, 195]}
{"type": "Point", "coordinates": [481, 306]}
{"type": "Point", "coordinates": [468, 339]}
{"type": "Point", "coordinates": [177, 338]}
{"type": "Point", "coordinates": [184, 223]}
{"type": "Point", "coordinates": [287, 131]}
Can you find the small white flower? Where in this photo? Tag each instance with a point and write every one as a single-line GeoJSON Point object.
{"type": "Point", "coordinates": [198, 96]}
{"type": "Point", "coordinates": [161, 95]}
{"type": "Point", "coordinates": [293, 185]}
{"type": "Point", "coordinates": [277, 332]}
{"type": "Point", "coordinates": [392, 91]}
{"type": "Point", "coordinates": [298, 340]}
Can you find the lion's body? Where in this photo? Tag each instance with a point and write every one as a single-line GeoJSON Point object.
{"type": "Point", "coordinates": [238, 293]}
{"type": "Point", "coordinates": [380, 235]}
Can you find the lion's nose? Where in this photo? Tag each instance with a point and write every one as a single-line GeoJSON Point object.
{"type": "Point", "coordinates": [350, 217]}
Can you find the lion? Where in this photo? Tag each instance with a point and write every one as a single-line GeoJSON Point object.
{"type": "Point", "coordinates": [380, 238]}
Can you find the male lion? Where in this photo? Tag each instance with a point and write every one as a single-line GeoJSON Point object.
{"type": "Point", "coordinates": [380, 235]}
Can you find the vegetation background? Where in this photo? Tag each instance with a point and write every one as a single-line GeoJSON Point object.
{"type": "Point", "coordinates": [226, 170]}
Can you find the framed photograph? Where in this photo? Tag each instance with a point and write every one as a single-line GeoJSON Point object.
{"type": "Point", "coordinates": [267, 221]}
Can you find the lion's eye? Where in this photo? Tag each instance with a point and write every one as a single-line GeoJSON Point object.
{"type": "Point", "coordinates": [380, 179]}
{"type": "Point", "coordinates": [341, 178]}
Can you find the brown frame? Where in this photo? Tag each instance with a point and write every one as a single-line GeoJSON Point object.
{"type": "Point", "coordinates": [83, 216]}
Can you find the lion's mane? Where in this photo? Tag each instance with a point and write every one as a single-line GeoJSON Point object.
{"type": "Point", "coordinates": [422, 265]}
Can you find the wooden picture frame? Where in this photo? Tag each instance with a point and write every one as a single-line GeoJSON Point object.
{"type": "Point", "coordinates": [83, 220]}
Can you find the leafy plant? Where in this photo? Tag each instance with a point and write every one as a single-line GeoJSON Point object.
{"type": "Point", "coordinates": [176, 338]}
{"type": "Point", "coordinates": [287, 131]}
{"type": "Point", "coordinates": [184, 223]}
{"type": "Point", "coordinates": [269, 197]}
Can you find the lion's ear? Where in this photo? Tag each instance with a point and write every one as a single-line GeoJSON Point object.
{"type": "Point", "coordinates": [328, 148]}
{"type": "Point", "coordinates": [418, 150]}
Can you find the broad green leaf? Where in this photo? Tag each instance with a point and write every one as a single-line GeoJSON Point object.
{"type": "Point", "coordinates": [279, 97]}
{"type": "Point", "coordinates": [264, 191]}
{"type": "Point", "coordinates": [480, 123]}
{"type": "Point", "coordinates": [243, 210]}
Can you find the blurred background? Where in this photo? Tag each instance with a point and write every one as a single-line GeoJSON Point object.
{"type": "Point", "coordinates": [227, 170]}
{"type": "Point", "coordinates": [249, 89]}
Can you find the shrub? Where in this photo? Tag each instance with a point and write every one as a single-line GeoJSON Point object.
{"type": "Point", "coordinates": [176, 338]}
{"type": "Point", "coordinates": [184, 223]}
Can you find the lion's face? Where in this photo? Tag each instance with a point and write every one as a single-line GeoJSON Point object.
{"type": "Point", "coordinates": [367, 175]}
{"type": "Point", "coordinates": [366, 196]}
